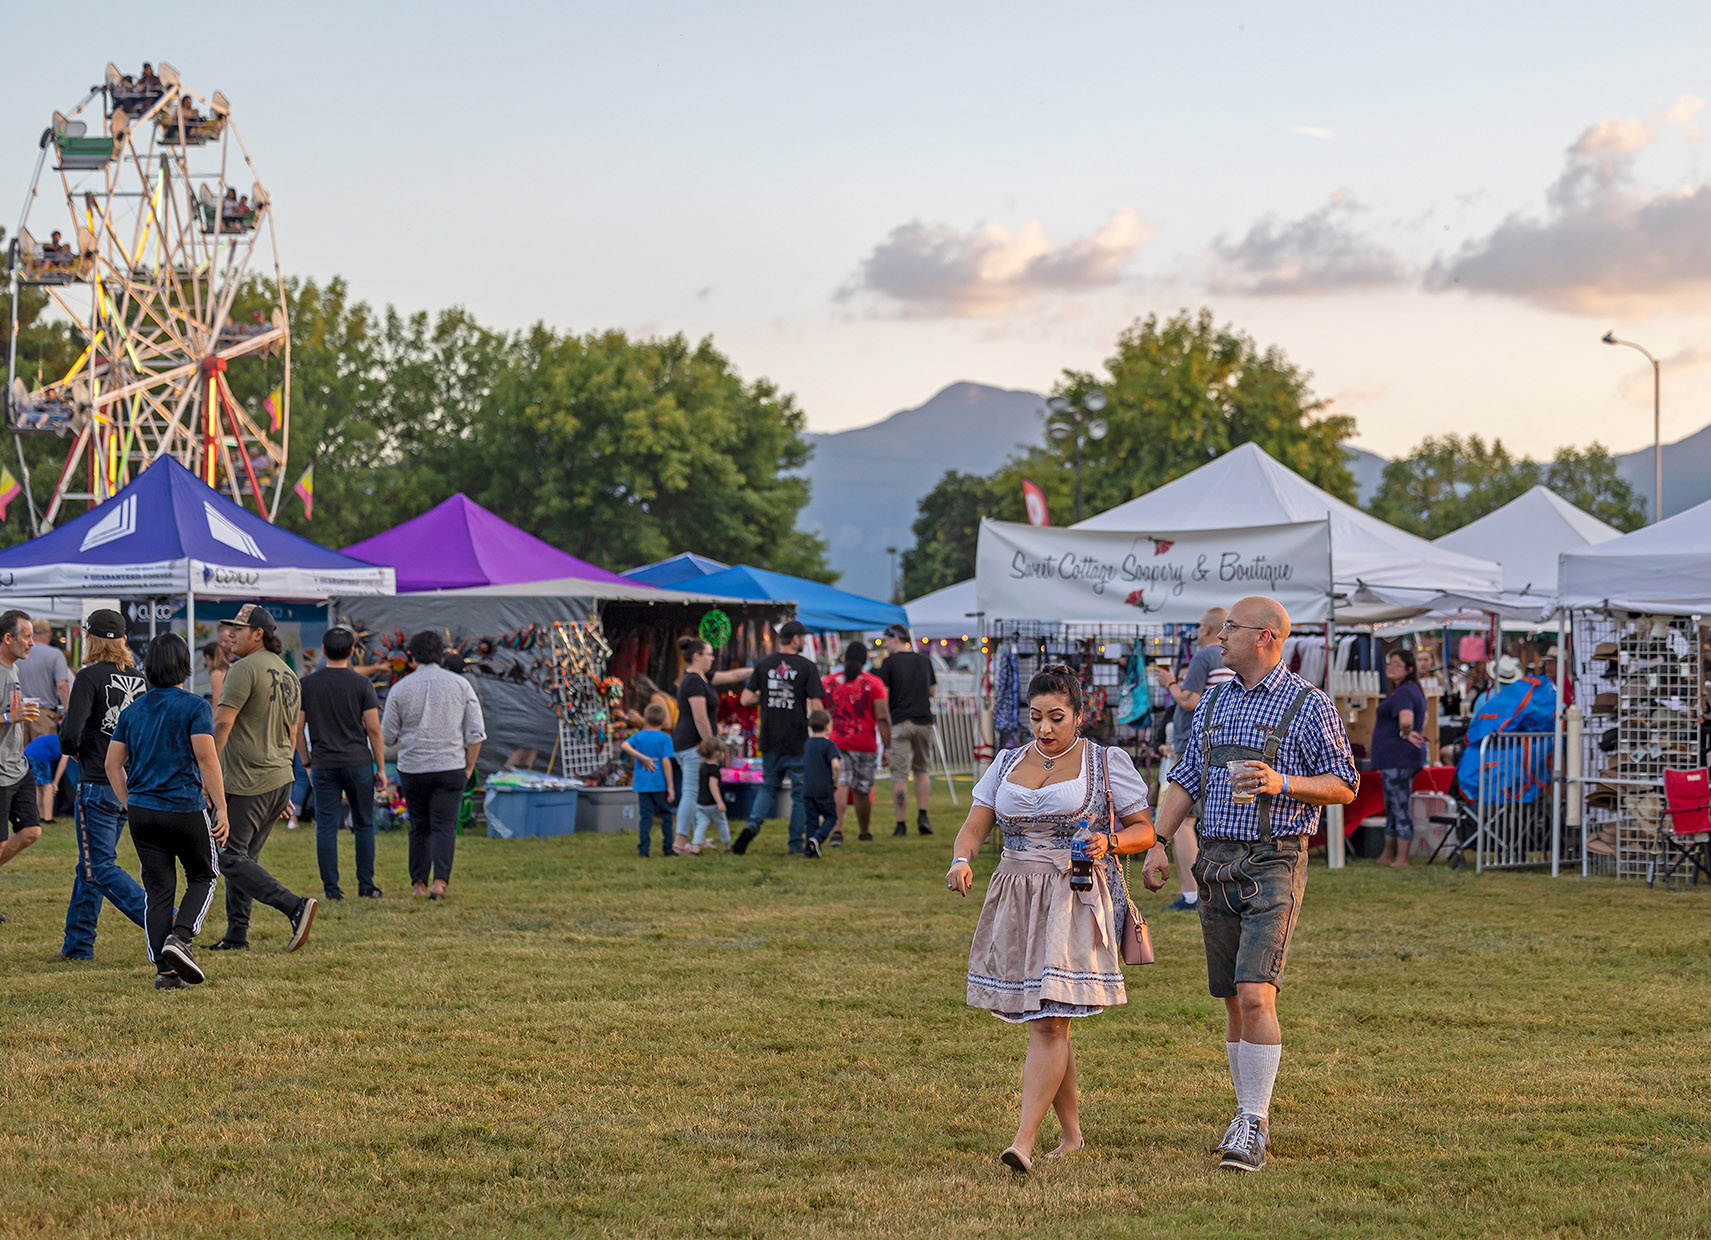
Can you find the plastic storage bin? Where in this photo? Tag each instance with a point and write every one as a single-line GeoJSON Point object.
{"type": "Point", "coordinates": [513, 813]}
{"type": "Point", "coordinates": [606, 809]}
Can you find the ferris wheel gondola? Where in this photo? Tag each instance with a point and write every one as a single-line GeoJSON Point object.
{"type": "Point", "coordinates": [166, 263]}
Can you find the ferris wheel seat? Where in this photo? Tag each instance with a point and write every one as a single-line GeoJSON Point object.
{"type": "Point", "coordinates": [77, 154]}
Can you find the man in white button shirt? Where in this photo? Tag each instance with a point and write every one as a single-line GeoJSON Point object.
{"type": "Point", "coordinates": [432, 723]}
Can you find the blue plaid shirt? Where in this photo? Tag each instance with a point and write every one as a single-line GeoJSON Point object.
{"type": "Point", "coordinates": [1317, 744]}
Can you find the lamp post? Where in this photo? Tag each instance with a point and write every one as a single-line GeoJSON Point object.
{"type": "Point", "coordinates": [1657, 424]}
{"type": "Point", "coordinates": [1067, 419]}
{"type": "Point", "coordinates": [892, 552]}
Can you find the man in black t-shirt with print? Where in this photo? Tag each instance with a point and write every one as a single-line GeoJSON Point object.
{"type": "Point", "coordinates": [786, 687]}
{"type": "Point", "coordinates": [909, 683]}
{"type": "Point", "coordinates": [338, 736]}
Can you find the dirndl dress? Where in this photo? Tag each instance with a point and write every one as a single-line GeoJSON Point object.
{"type": "Point", "coordinates": [1041, 948]}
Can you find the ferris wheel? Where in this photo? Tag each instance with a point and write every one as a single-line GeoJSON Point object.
{"type": "Point", "coordinates": [154, 237]}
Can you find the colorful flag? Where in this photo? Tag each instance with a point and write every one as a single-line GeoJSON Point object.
{"type": "Point", "coordinates": [9, 490]}
{"type": "Point", "coordinates": [1035, 499]}
{"type": "Point", "coordinates": [275, 406]}
{"type": "Point", "coordinates": [305, 489]}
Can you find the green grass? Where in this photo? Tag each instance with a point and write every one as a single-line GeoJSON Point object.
{"type": "Point", "coordinates": [581, 1043]}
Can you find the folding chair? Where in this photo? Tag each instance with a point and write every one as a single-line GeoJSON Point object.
{"type": "Point", "coordinates": [1687, 796]}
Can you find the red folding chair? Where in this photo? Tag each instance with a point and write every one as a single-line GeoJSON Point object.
{"type": "Point", "coordinates": [1687, 797]}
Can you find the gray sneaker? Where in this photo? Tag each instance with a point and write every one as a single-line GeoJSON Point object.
{"type": "Point", "coordinates": [175, 956]}
{"type": "Point", "coordinates": [1247, 1151]}
{"type": "Point", "coordinates": [1232, 1135]}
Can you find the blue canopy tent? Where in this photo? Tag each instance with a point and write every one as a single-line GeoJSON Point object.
{"type": "Point", "coordinates": [667, 574]}
{"type": "Point", "coordinates": [822, 608]}
{"type": "Point", "coordinates": [169, 533]}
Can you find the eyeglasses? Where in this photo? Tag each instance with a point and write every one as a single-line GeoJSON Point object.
{"type": "Point", "coordinates": [1231, 624]}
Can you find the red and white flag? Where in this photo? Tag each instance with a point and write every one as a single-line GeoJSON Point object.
{"type": "Point", "coordinates": [1035, 500]}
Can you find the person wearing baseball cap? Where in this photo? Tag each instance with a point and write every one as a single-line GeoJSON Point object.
{"type": "Point", "coordinates": [107, 683]}
{"type": "Point", "coordinates": [786, 687]}
{"type": "Point", "coordinates": [252, 732]}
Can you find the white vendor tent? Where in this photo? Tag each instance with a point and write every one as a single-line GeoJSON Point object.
{"type": "Point", "coordinates": [945, 613]}
{"type": "Point", "coordinates": [1246, 488]}
{"type": "Point", "coordinates": [1527, 535]}
{"type": "Point", "coordinates": [1663, 568]}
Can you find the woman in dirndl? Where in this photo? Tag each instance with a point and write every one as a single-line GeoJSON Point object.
{"type": "Point", "coordinates": [1045, 954]}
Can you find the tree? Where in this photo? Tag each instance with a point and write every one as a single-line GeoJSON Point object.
{"type": "Point", "coordinates": [46, 349]}
{"type": "Point", "coordinates": [1184, 392]}
{"type": "Point", "coordinates": [1448, 481]}
{"type": "Point", "coordinates": [1588, 480]}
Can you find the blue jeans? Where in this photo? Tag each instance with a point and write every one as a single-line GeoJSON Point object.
{"type": "Point", "coordinates": [331, 784]}
{"type": "Point", "coordinates": [688, 790]}
{"type": "Point", "coordinates": [822, 816]}
{"type": "Point", "coordinates": [774, 767]}
{"type": "Point", "coordinates": [302, 789]}
{"type": "Point", "coordinates": [651, 805]}
{"type": "Point", "coordinates": [98, 820]}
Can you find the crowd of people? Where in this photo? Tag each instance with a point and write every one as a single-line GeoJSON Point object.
{"type": "Point", "coordinates": [201, 782]}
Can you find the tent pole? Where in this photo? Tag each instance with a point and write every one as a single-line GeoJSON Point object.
{"type": "Point", "coordinates": [1333, 816]}
{"type": "Point", "coordinates": [190, 622]}
{"type": "Point", "coordinates": [153, 605]}
{"type": "Point", "coordinates": [1558, 764]}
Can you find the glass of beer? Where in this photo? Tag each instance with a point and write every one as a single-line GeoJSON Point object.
{"type": "Point", "coordinates": [1238, 773]}
{"type": "Point", "coordinates": [31, 707]}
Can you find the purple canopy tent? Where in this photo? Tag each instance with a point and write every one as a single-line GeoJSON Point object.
{"type": "Point", "coordinates": [458, 544]}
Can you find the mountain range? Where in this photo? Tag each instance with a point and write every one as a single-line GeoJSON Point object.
{"type": "Point", "coordinates": [867, 481]}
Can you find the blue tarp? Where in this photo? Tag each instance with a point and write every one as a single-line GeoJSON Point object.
{"type": "Point", "coordinates": [668, 574]}
{"type": "Point", "coordinates": [168, 532]}
{"type": "Point", "coordinates": [822, 608]}
{"type": "Point", "coordinates": [1520, 773]}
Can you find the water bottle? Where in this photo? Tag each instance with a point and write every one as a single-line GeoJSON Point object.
{"type": "Point", "coordinates": [1080, 864]}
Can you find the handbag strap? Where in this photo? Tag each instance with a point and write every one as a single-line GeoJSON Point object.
{"type": "Point", "coordinates": [1111, 821]}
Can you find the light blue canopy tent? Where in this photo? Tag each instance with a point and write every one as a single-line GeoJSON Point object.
{"type": "Point", "coordinates": [821, 608]}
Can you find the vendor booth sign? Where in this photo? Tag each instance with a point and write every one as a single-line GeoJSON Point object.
{"type": "Point", "coordinates": [1028, 573]}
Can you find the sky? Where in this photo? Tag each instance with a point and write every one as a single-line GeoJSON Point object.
{"type": "Point", "coordinates": [1436, 210]}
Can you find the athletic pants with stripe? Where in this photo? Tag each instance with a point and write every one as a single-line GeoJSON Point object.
{"type": "Point", "coordinates": [165, 841]}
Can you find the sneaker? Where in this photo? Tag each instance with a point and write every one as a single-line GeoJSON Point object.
{"type": "Point", "coordinates": [1246, 1152]}
{"type": "Point", "coordinates": [921, 824]}
{"type": "Point", "coordinates": [176, 953]}
{"type": "Point", "coordinates": [1182, 904]}
{"type": "Point", "coordinates": [335, 895]}
{"type": "Point", "coordinates": [301, 922]}
{"type": "Point", "coordinates": [865, 835]}
{"type": "Point", "coordinates": [230, 945]}
{"type": "Point", "coordinates": [370, 893]}
{"type": "Point", "coordinates": [744, 839]}
{"type": "Point", "coordinates": [902, 830]}
{"type": "Point", "coordinates": [811, 847]}
{"type": "Point", "coordinates": [836, 839]}
{"type": "Point", "coordinates": [170, 981]}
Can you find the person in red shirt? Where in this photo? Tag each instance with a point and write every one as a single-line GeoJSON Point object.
{"type": "Point", "coordinates": [861, 724]}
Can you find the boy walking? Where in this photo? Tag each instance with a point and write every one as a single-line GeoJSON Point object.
{"type": "Point", "coordinates": [819, 783]}
{"type": "Point", "coordinates": [652, 750]}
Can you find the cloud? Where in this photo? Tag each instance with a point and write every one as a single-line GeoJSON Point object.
{"type": "Point", "coordinates": [1604, 243]}
{"type": "Point", "coordinates": [1319, 253]}
{"type": "Point", "coordinates": [1637, 387]}
{"type": "Point", "coordinates": [933, 271]}
{"type": "Point", "coordinates": [1312, 131]}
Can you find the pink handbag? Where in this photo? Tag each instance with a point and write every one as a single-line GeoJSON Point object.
{"type": "Point", "coordinates": [1137, 946]}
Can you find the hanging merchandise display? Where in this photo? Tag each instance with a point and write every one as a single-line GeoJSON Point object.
{"type": "Point", "coordinates": [584, 698]}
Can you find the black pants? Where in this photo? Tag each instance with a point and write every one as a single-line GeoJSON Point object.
{"type": "Point", "coordinates": [162, 839]}
{"type": "Point", "coordinates": [432, 798]}
{"type": "Point", "coordinates": [251, 820]}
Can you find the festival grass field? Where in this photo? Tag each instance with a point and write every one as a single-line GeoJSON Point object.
{"type": "Point", "coordinates": [582, 1043]}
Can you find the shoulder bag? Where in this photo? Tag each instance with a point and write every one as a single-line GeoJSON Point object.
{"type": "Point", "coordinates": [1137, 946]}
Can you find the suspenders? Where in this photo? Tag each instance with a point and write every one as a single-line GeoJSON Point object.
{"type": "Point", "coordinates": [1223, 754]}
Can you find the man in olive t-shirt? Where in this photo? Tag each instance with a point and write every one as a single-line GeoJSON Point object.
{"type": "Point", "coordinates": [252, 732]}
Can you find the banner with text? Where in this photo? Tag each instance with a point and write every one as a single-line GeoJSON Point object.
{"type": "Point", "coordinates": [1025, 573]}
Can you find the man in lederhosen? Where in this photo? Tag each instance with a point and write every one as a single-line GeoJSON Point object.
{"type": "Point", "coordinates": [1291, 756]}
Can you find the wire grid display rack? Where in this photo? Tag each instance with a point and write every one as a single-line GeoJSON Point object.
{"type": "Point", "coordinates": [579, 655]}
{"type": "Point", "coordinates": [1640, 684]}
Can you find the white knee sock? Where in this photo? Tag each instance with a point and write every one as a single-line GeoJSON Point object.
{"type": "Point", "coordinates": [1258, 1069]}
{"type": "Point", "coordinates": [1234, 1049]}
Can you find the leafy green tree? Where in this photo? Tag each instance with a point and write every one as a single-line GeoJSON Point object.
{"type": "Point", "coordinates": [1185, 391]}
{"type": "Point", "coordinates": [46, 349]}
{"type": "Point", "coordinates": [1588, 480]}
{"type": "Point", "coordinates": [1448, 481]}
{"type": "Point", "coordinates": [947, 531]}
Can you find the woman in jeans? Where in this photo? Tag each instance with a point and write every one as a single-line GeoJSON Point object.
{"type": "Point", "coordinates": [432, 724]}
{"type": "Point", "coordinates": [697, 721]}
{"type": "Point", "coordinates": [1399, 751]}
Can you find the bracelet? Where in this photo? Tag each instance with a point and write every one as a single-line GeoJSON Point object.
{"type": "Point", "coordinates": [956, 861]}
{"type": "Point", "coordinates": [1285, 791]}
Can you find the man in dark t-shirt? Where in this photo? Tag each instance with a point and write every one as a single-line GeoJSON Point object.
{"type": "Point", "coordinates": [909, 682]}
{"type": "Point", "coordinates": [338, 736]}
{"type": "Point", "coordinates": [786, 687]}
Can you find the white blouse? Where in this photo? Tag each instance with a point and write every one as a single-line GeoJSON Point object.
{"type": "Point", "coordinates": [1011, 800]}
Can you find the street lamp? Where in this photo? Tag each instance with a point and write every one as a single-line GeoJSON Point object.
{"type": "Point", "coordinates": [1657, 424]}
{"type": "Point", "coordinates": [892, 552]}
{"type": "Point", "coordinates": [1065, 419]}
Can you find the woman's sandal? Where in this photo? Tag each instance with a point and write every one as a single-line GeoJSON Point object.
{"type": "Point", "coordinates": [1016, 1160]}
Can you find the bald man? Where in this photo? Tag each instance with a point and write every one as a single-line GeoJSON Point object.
{"type": "Point", "coordinates": [1274, 740]}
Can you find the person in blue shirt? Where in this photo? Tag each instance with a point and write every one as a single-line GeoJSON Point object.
{"type": "Point", "coordinates": [819, 783]}
{"type": "Point", "coordinates": [652, 750]}
{"type": "Point", "coordinates": [165, 772]}
{"type": "Point", "coordinates": [48, 765]}
{"type": "Point", "coordinates": [1398, 750]}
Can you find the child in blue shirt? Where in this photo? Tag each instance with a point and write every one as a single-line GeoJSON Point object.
{"type": "Point", "coordinates": [819, 783]}
{"type": "Point", "coordinates": [652, 749]}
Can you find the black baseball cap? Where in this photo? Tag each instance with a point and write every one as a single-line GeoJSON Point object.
{"type": "Point", "coordinates": [899, 631]}
{"type": "Point", "coordinates": [104, 622]}
{"type": "Point", "coordinates": [251, 616]}
{"type": "Point", "coordinates": [791, 628]}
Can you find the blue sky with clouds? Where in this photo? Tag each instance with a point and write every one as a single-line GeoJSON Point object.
{"type": "Point", "coordinates": [1436, 210]}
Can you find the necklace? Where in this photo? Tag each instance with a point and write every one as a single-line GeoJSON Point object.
{"type": "Point", "coordinates": [1050, 760]}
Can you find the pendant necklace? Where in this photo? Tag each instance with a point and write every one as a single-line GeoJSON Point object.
{"type": "Point", "coordinates": [1049, 761]}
